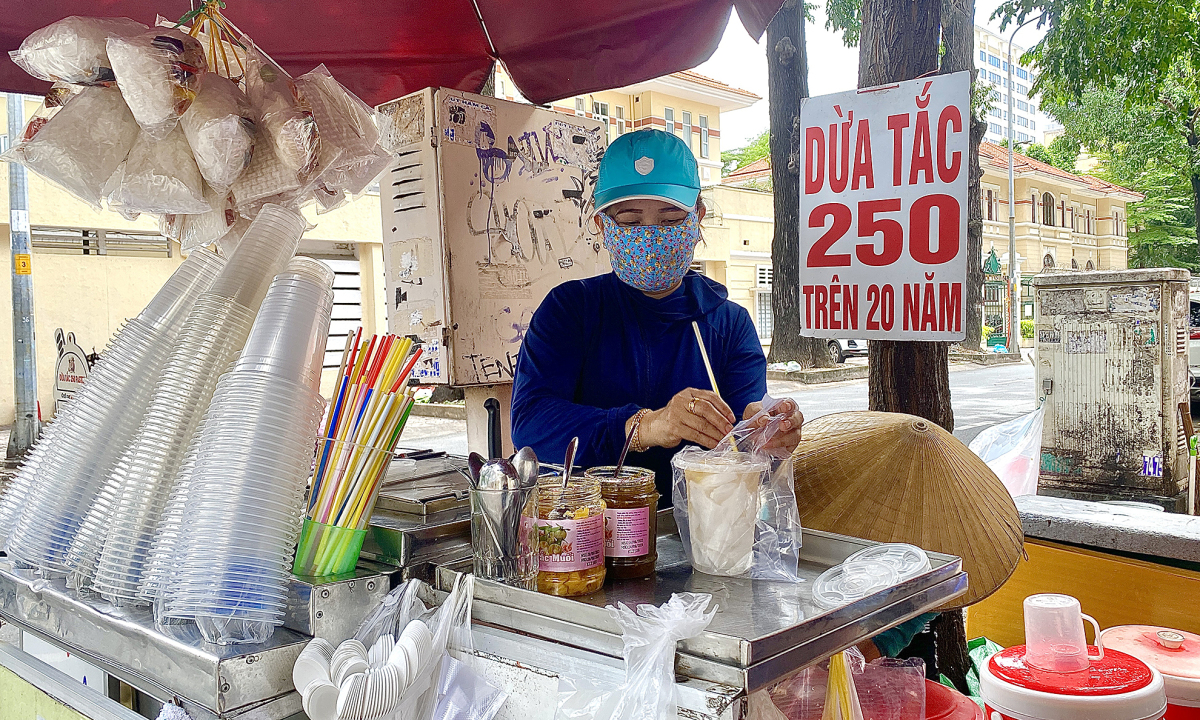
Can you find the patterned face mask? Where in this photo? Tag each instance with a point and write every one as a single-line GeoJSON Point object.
{"type": "Point", "coordinates": [651, 258]}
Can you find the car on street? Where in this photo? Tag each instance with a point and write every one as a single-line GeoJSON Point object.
{"type": "Point", "coordinates": [1194, 347]}
{"type": "Point", "coordinates": [839, 350]}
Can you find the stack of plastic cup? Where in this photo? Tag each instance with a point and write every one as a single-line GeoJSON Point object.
{"type": "Point", "coordinates": [233, 552]}
{"type": "Point", "coordinates": [215, 331]}
{"type": "Point", "coordinates": [158, 566]}
{"type": "Point", "coordinates": [69, 466]}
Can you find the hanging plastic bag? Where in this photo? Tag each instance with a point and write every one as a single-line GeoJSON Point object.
{"type": "Point", "coordinates": [464, 695]}
{"type": "Point", "coordinates": [204, 229]}
{"type": "Point", "coordinates": [735, 505]}
{"type": "Point", "coordinates": [158, 73]}
{"type": "Point", "coordinates": [158, 176]}
{"type": "Point", "coordinates": [73, 50]}
{"type": "Point", "coordinates": [285, 118]}
{"type": "Point", "coordinates": [847, 687]}
{"type": "Point", "coordinates": [1013, 450]}
{"type": "Point", "coordinates": [82, 144]}
{"type": "Point", "coordinates": [650, 635]}
{"type": "Point", "coordinates": [398, 608]}
{"type": "Point", "coordinates": [219, 127]}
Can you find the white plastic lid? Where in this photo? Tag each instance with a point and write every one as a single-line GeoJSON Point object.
{"type": "Point", "coordinates": [850, 581]}
{"type": "Point", "coordinates": [1174, 653]}
{"type": "Point", "coordinates": [907, 560]}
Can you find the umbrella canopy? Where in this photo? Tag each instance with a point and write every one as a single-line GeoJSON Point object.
{"type": "Point", "coordinates": [383, 49]}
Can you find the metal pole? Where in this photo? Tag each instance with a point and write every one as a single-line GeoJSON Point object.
{"type": "Point", "coordinates": [25, 428]}
{"type": "Point", "coordinates": [1014, 279]}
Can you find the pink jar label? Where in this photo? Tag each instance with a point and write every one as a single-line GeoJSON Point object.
{"type": "Point", "coordinates": [570, 545]}
{"type": "Point", "coordinates": [627, 532]}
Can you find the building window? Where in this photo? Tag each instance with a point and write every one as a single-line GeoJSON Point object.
{"type": "Point", "coordinates": [994, 128]}
{"type": "Point", "coordinates": [1004, 65]}
{"type": "Point", "coordinates": [994, 112]}
{"type": "Point", "coordinates": [1048, 261]}
{"type": "Point", "coordinates": [1032, 108]}
{"type": "Point", "coordinates": [982, 74]}
{"type": "Point", "coordinates": [600, 109]}
{"type": "Point", "coordinates": [1033, 208]}
{"type": "Point", "coordinates": [669, 116]}
{"type": "Point", "coordinates": [703, 136]}
{"type": "Point", "coordinates": [1022, 89]}
{"type": "Point", "coordinates": [579, 106]}
{"type": "Point", "coordinates": [1089, 266]}
{"type": "Point", "coordinates": [1021, 120]}
{"type": "Point", "coordinates": [991, 203]}
{"type": "Point", "coordinates": [982, 56]}
{"type": "Point", "coordinates": [994, 96]}
{"type": "Point", "coordinates": [1022, 74]}
{"type": "Point", "coordinates": [620, 111]}
{"type": "Point", "coordinates": [766, 320]}
{"type": "Point", "coordinates": [1022, 106]}
{"type": "Point", "coordinates": [1074, 264]}
{"type": "Point", "coordinates": [1032, 125]}
{"type": "Point", "coordinates": [1022, 137]}
{"type": "Point", "coordinates": [499, 87]}
{"type": "Point", "coordinates": [687, 129]}
{"type": "Point", "coordinates": [763, 275]}
{"type": "Point", "coordinates": [1074, 219]}
{"type": "Point", "coordinates": [1116, 223]}
{"type": "Point", "coordinates": [1048, 209]}
{"type": "Point", "coordinates": [1062, 213]}
{"type": "Point", "coordinates": [993, 61]}
{"type": "Point", "coordinates": [994, 77]}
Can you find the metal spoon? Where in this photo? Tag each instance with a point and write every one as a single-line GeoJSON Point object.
{"type": "Point", "coordinates": [624, 452]}
{"type": "Point", "coordinates": [568, 465]}
{"type": "Point", "coordinates": [526, 463]}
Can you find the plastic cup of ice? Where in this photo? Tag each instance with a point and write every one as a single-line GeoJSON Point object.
{"type": "Point", "coordinates": [723, 504]}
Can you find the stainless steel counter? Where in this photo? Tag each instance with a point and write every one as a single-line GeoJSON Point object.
{"type": "Point", "coordinates": [762, 631]}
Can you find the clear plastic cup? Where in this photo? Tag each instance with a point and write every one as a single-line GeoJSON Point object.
{"type": "Point", "coordinates": [722, 506]}
{"type": "Point", "coordinates": [1054, 636]}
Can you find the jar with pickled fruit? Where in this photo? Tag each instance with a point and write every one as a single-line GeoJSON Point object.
{"type": "Point", "coordinates": [570, 534]}
{"type": "Point", "coordinates": [630, 521]}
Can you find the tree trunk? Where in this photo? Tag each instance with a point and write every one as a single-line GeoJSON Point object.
{"type": "Point", "coordinates": [1196, 204]}
{"type": "Point", "coordinates": [787, 82]}
{"type": "Point", "coordinates": [900, 42]}
{"type": "Point", "coordinates": [958, 39]}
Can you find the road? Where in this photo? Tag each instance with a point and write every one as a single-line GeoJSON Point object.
{"type": "Point", "coordinates": [981, 396]}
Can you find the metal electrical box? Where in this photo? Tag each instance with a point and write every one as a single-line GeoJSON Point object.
{"type": "Point", "coordinates": [485, 210]}
{"type": "Point", "coordinates": [1112, 367]}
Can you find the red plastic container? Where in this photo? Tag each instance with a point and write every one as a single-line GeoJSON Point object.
{"type": "Point", "coordinates": [1117, 687]}
{"type": "Point", "coordinates": [1174, 653]}
{"type": "Point", "coordinates": [943, 703]}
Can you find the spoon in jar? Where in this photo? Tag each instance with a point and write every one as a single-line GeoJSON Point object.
{"type": "Point", "coordinates": [624, 451]}
{"type": "Point", "coordinates": [568, 464]}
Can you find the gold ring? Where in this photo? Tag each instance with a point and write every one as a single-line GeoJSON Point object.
{"type": "Point", "coordinates": [692, 406]}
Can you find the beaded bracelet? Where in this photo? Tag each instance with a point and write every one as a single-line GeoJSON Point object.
{"type": "Point", "coordinates": [636, 444]}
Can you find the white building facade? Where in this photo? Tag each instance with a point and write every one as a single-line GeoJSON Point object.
{"type": "Point", "coordinates": [991, 62]}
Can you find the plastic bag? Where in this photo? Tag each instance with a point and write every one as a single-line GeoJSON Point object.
{"type": "Point", "coordinates": [650, 635]}
{"type": "Point", "coordinates": [735, 505]}
{"type": "Point", "coordinates": [196, 231]}
{"type": "Point", "coordinates": [54, 100]}
{"type": "Point", "coordinates": [980, 650]}
{"type": "Point", "coordinates": [220, 130]}
{"type": "Point", "coordinates": [81, 145]}
{"type": "Point", "coordinates": [73, 50]}
{"type": "Point", "coordinates": [159, 176]}
{"type": "Point", "coordinates": [1013, 450]}
{"type": "Point", "coordinates": [464, 695]}
{"type": "Point", "coordinates": [158, 73]}
{"type": "Point", "coordinates": [285, 118]}
{"type": "Point", "coordinates": [884, 689]}
{"type": "Point", "coordinates": [265, 179]}
{"type": "Point", "coordinates": [398, 608]}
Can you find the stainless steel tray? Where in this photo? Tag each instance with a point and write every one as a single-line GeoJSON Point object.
{"type": "Point", "coordinates": [425, 486]}
{"type": "Point", "coordinates": [762, 631]}
{"type": "Point", "coordinates": [251, 682]}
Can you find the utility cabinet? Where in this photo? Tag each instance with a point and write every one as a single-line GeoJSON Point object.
{"type": "Point", "coordinates": [1112, 369]}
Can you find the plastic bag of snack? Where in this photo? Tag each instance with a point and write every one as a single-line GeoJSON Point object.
{"type": "Point", "coordinates": [53, 101]}
{"type": "Point", "coordinates": [158, 176]}
{"type": "Point", "coordinates": [73, 49]}
{"type": "Point", "coordinates": [158, 73]}
{"type": "Point", "coordinates": [285, 117]}
{"type": "Point", "coordinates": [82, 144]}
{"type": "Point", "coordinates": [220, 128]}
{"type": "Point", "coordinates": [265, 177]}
{"type": "Point", "coordinates": [206, 228]}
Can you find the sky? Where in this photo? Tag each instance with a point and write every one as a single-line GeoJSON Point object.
{"type": "Point", "coordinates": [832, 67]}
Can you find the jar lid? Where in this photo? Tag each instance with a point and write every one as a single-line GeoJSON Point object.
{"type": "Point", "coordinates": [1174, 653]}
{"type": "Point", "coordinates": [843, 584]}
{"type": "Point", "coordinates": [907, 560]}
{"type": "Point", "coordinates": [1115, 674]}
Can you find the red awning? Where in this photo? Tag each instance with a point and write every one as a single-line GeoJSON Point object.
{"type": "Point", "coordinates": [382, 49]}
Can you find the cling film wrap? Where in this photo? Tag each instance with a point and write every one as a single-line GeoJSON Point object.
{"type": "Point", "coordinates": [649, 635]}
{"type": "Point", "coordinates": [220, 129]}
{"type": "Point", "coordinates": [73, 50]}
{"type": "Point", "coordinates": [735, 505]}
{"type": "Point", "coordinates": [158, 73]}
{"type": "Point", "coordinates": [158, 176]}
{"type": "Point", "coordinates": [82, 144]}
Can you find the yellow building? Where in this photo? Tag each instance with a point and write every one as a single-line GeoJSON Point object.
{"type": "Point", "coordinates": [92, 270]}
{"type": "Point", "coordinates": [686, 103]}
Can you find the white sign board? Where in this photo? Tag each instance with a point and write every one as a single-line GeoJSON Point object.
{"type": "Point", "coordinates": [883, 211]}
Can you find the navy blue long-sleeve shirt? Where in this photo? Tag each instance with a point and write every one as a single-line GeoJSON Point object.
{"type": "Point", "coordinates": [598, 350]}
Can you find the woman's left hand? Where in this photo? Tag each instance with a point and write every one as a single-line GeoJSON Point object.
{"type": "Point", "coordinates": [788, 436]}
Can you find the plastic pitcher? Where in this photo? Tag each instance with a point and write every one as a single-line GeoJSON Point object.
{"type": "Point", "coordinates": [1054, 636]}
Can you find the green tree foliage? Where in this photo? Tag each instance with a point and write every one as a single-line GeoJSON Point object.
{"type": "Point", "coordinates": [756, 149]}
{"type": "Point", "coordinates": [1061, 152]}
{"type": "Point", "coordinates": [1137, 147]}
{"type": "Point", "coordinates": [1143, 53]}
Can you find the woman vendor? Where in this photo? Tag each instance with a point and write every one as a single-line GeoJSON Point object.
{"type": "Point", "coordinates": [616, 354]}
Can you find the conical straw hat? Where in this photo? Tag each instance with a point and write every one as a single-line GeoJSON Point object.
{"type": "Point", "coordinates": [891, 477]}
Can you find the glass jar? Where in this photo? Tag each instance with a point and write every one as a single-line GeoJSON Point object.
{"type": "Point", "coordinates": [630, 521]}
{"type": "Point", "coordinates": [570, 533]}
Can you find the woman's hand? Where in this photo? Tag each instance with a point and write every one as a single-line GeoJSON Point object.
{"type": "Point", "coordinates": [788, 435]}
{"type": "Point", "coordinates": [698, 416]}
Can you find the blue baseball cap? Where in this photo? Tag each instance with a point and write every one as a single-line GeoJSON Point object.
{"type": "Point", "coordinates": [648, 164]}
